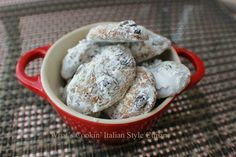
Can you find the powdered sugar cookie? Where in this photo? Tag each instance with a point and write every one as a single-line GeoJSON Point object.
{"type": "Point", "coordinates": [103, 81]}
{"type": "Point", "coordinates": [155, 45]}
{"type": "Point", "coordinates": [139, 99]}
{"type": "Point", "coordinates": [81, 53]}
{"type": "Point", "coordinates": [171, 78]}
{"type": "Point", "coordinates": [125, 31]}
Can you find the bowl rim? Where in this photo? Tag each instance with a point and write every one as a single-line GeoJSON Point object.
{"type": "Point", "coordinates": [61, 105]}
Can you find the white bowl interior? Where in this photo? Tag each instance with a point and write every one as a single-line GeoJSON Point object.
{"type": "Point", "coordinates": [52, 80]}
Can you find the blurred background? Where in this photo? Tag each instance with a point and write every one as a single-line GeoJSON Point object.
{"type": "Point", "coordinates": [200, 122]}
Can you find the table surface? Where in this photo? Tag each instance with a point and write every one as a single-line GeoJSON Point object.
{"type": "Point", "coordinates": [200, 122]}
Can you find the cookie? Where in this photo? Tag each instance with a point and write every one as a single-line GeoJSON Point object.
{"type": "Point", "coordinates": [125, 31]}
{"type": "Point", "coordinates": [81, 53]}
{"type": "Point", "coordinates": [139, 99]}
{"type": "Point", "coordinates": [155, 45]}
{"type": "Point", "coordinates": [171, 78]}
{"type": "Point", "coordinates": [103, 81]}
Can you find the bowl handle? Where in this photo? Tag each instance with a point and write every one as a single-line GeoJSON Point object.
{"type": "Point", "coordinates": [31, 82]}
{"type": "Point", "coordinates": [197, 63]}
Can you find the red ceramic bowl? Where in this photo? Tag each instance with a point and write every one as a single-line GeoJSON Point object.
{"type": "Point", "coordinates": [49, 81]}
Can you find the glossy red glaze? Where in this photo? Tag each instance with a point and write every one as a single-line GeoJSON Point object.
{"type": "Point", "coordinates": [97, 130]}
{"type": "Point", "coordinates": [197, 63]}
{"type": "Point", "coordinates": [31, 82]}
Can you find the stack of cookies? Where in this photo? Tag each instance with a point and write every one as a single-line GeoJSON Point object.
{"type": "Point", "coordinates": [107, 72]}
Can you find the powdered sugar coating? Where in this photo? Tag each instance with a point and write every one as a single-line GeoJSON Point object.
{"type": "Point", "coordinates": [103, 81]}
{"type": "Point", "coordinates": [155, 45]}
{"type": "Point", "coordinates": [125, 31]}
{"type": "Point", "coordinates": [139, 99]}
{"type": "Point", "coordinates": [81, 53]}
{"type": "Point", "coordinates": [171, 78]}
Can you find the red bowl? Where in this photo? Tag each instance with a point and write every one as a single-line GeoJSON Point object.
{"type": "Point", "coordinates": [49, 81]}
